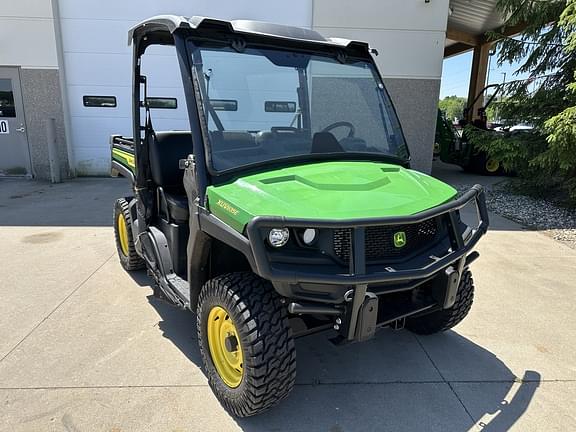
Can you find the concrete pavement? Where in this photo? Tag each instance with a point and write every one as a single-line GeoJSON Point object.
{"type": "Point", "coordinates": [84, 346]}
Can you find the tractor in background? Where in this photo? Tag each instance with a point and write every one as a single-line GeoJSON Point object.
{"type": "Point", "coordinates": [454, 146]}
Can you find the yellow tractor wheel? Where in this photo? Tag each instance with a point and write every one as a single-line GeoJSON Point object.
{"type": "Point", "coordinates": [246, 342]}
{"type": "Point", "coordinates": [127, 254]}
{"type": "Point", "coordinates": [492, 166]}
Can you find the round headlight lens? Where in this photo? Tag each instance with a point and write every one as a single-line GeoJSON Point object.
{"type": "Point", "coordinates": [309, 236]}
{"type": "Point", "coordinates": [278, 237]}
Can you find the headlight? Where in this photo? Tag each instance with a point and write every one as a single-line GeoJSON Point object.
{"type": "Point", "coordinates": [278, 237]}
{"type": "Point", "coordinates": [309, 236]}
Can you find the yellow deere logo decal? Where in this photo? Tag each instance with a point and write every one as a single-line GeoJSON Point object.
{"type": "Point", "coordinates": [400, 239]}
{"type": "Point", "coordinates": [227, 207]}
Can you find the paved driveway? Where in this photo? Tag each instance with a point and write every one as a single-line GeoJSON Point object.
{"type": "Point", "coordinates": [85, 346]}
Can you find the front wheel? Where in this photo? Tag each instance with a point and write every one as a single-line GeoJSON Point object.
{"type": "Point", "coordinates": [443, 320]}
{"type": "Point", "coordinates": [246, 343]}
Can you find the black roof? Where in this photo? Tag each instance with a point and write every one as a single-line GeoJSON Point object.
{"type": "Point", "coordinates": [172, 23]}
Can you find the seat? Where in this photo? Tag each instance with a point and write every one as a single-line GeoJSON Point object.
{"type": "Point", "coordinates": [233, 148]}
{"type": "Point", "coordinates": [176, 205]}
{"type": "Point", "coordinates": [166, 150]}
{"type": "Point", "coordinates": [325, 142]}
{"type": "Point", "coordinates": [231, 140]}
{"type": "Point", "coordinates": [286, 142]}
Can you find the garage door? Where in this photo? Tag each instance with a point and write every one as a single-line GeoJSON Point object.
{"type": "Point", "coordinates": [98, 64]}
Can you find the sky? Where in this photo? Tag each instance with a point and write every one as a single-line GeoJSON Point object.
{"type": "Point", "coordinates": [456, 74]}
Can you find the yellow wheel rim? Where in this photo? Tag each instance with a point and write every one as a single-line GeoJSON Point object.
{"type": "Point", "coordinates": [123, 234]}
{"type": "Point", "coordinates": [225, 348]}
{"type": "Point", "coordinates": [492, 165]}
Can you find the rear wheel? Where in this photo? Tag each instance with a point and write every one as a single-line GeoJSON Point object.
{"type": "Point", "coordinates": [492, 166]}
{"type": "Point", "coordinates": [129, 259]}
{"type": "Point", "coordinates": [443, 320]}
{"type": "Point", "coordinates": [246, 343]}
{"type": "Point", "coordinates": [482, 163]}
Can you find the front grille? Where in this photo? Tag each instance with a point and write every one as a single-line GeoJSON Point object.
{"type": "Point", "coordinates": [380, 240]}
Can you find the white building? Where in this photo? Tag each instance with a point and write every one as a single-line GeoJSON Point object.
{"type": "Point", "coordinates": [54, 53]}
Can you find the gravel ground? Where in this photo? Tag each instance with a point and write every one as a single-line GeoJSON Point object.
{"type": "Point", "coordinates": [545, 216]}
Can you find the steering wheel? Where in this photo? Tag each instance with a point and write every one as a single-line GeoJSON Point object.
{"type": "Point", "coordinates": [341, 124]}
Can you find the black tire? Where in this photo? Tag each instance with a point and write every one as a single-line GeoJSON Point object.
{"type": "Point", "coordinates": [129, 259]}
{"type": "Point", "coordinates": [443, 320]}
{"type": "Point", "coordinates": [269, 355]}
{"type": "Point", "coordinates": [479, 163]}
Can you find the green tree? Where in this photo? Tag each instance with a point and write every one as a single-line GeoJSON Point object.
{"type": "Point", "coordinates": [561, 128]}
{"type": "Point", "coordinates": [452, 106]}
{"type": "Point", "coordinates": [493, 110]}
{"type": "Point", "coordinates": [546, 49]}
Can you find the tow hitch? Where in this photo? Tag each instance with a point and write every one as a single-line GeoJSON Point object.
{"type": "Point", "coordinates": [366, 324]}
{"type": "Point", "coordinates": [363, 314]}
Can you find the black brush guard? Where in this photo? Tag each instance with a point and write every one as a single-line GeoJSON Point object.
{"type": "Point", "coordinates": [360, 315]}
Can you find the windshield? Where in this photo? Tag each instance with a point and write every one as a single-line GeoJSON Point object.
{"type": "Point", "coordinates": [267, 105]}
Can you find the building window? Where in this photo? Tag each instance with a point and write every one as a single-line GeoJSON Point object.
{"type": "Point", "coordinates": [224, 104]}
{"type": "Point", "coordinates": [280, 106]}
{"type": "Point", "coordinates": [162, 102]}
{"type": "Point", "coordinates": [99, 101]}
{"type": "Point", "coordinates": [7, 108]}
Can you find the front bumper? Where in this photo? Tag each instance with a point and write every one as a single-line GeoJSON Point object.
{"type": "Point", "coordinates": [354, 294]}
{"type": "Point", "coordinates": [359, 272]}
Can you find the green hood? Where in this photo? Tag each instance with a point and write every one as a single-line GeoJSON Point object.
{"type": "Point", "coordinates": [328, 190]}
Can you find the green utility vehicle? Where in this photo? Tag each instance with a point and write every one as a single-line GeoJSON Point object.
{"type": "Point", "coordinates": [288, 206]}
{"type": "Point", "coordinates": [457, 148]}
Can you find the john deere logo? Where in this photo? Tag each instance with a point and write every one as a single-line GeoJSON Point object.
{"type": "Point", "coordinates": [400, 239]}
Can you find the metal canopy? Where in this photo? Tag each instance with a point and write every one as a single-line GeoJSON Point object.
{"type": "Point", "coordinates": [474, 16]}
{"type": "Point", "coordinates": [468, 21]}
{"type": "Point", "coordinates": [172, 23]}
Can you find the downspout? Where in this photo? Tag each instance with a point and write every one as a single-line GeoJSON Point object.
{"type": "Point", "coordinates": [63, 88]}
{"type": "Point", "coordinates": [312, 24]}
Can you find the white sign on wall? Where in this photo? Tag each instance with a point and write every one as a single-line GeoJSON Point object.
{"type": "Point", "coordinates": [4, 129]}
